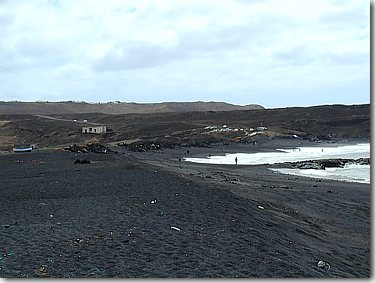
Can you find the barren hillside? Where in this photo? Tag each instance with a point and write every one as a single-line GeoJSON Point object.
{"type": "Point", "coordinates": [320, 122]}
{"type": "Point", "coordinates": [46, 108]}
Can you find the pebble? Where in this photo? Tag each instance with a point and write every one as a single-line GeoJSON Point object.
{"type": "Point", "coordinates": [42, 271]}
{"type": "Point", "coordinates": [94, 270]}
{"type": "Point", "coordinates": [78, 241]}
{"type": "Point", "coordinates": [323, 264]}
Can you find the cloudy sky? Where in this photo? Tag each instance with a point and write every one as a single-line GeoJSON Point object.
{"type": "Point", "coordinates": [272, 52]}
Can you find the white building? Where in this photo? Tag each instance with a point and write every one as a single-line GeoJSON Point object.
{"type": "Point", "coordinates": [98, 129]}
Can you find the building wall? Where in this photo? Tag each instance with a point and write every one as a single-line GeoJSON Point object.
{"type": "Point", "coordinates": [94, 129]}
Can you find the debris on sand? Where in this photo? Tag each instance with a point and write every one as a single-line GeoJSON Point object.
{"type": "Point", "coordinates": [90, 147]}
{"type": "Point", "coordinates": [323, 264]}
{"type": "Point", "coordinates": [82, 161]}
{"type": "Point", "coordinates": [94, 271]}
{"type": "Point", "coordinates": [78, 241]}
{"type": "Point", "coordinates": [42, 271]}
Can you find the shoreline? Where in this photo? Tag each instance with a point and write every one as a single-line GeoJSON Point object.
{"type": "Point", "coordinates": [147, 215]}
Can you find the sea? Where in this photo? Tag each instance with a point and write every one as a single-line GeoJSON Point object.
{"type": "Point", "coordinates": [350, 173]}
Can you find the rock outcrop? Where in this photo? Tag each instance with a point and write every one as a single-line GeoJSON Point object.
{"type": "Point", "coordinates": [92, 147]}
{"type": "Point", "coordinates": [322, 164]}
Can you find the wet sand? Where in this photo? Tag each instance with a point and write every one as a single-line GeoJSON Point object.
{"type": "Point", "coordinates": [148, 215]}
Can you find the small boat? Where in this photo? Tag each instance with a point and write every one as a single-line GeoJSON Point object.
{"type": "Point", "coordinates": [27, 149]}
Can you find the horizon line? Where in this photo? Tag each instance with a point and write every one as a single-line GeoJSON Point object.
{"type": "Point", "coordinates": [160, 102]}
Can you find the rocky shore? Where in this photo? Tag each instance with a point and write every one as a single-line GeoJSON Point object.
{"type": "Point", "coordinates": [321, 164]}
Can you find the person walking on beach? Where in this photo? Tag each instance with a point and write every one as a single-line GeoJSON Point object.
{"type": "Point", "coordinates": [236, 160]}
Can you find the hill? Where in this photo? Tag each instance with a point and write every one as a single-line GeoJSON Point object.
{"type": "Point", "coordinates": [188, 128]}
{"type": "Point", "coordinates": [69, 107]}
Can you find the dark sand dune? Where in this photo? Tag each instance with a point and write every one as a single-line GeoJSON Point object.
{"type": "Point", "coordinates": [119, 217]}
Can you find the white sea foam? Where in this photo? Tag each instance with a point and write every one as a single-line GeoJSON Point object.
{"type": "Point", "coordinates": [351, 172]}
{"type": "Point", "coordinates": [289, 155]}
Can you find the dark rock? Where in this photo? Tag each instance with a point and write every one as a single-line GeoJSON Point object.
{"type": "Point", "coordinates": [322, 164]}
{"type": "Point", "coordinates": [82, 161]}
{"type": "Point", "coordinates": [92, 147]}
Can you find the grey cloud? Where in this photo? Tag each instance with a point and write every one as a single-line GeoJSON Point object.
{"type": "Point", "coordinates": [303, 55]}
{"type": "Point", "coordinates": [53, 3]}
{"type": "Point", "coordinates": [139, 55]}
{"type": "Point", "coordinates": [43, 53]}
{"type": "Point", "coordinates": [5, 21]}
{"type": "Point", "coordinates": [191, 44]}
{"type": "Point", "coordinates": [348, 59]}
{"type": "Point", "coordinates": [135, 56]}
{"type": "Point", "coordinates": [28, 53]}
{"type": "Point", "coordinates": [299, 55]}
{"type": "Point", "coordinates": [131, 10]}
{"type": "Point", "coordinates": [7, 60]}
{"type": "Point", "coordinates": [31, 48]}
{"type": "Point", "coordinates": [345, 18]}
{"type": "Point", "coordinates": [212, 40]}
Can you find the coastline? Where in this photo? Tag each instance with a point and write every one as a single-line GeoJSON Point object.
{"type": "Point", "coordinates": [115, 218]}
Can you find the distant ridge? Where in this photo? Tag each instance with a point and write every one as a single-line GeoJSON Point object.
{"type": "Point", "coordinates": [70, 107]}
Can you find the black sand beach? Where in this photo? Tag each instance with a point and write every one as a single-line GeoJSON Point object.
{"type": "Point", "coordinates": [148, 215]}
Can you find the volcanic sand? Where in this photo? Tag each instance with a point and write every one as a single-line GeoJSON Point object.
{"type": "Point", "coordinates": [149, 215]}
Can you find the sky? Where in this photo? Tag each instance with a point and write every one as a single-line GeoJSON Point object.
{"type": "Point", "coordinates": [276, 53]}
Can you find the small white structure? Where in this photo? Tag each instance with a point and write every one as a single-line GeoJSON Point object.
{"type": "Point", "coordinates": [99, 129]}
{"type": "Point", "coordinates": [261, 128]}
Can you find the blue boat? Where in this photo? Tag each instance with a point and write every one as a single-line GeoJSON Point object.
{"type": "Point", "coordinates": [27, 149]}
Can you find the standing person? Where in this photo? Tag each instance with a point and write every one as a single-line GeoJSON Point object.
{"type": "Point", "coordinates": [236, 160]}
